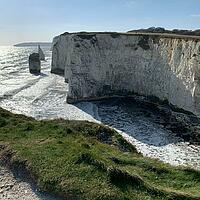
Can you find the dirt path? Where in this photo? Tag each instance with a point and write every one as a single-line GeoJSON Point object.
{"type": "Point", "coordinates": [12, 188]}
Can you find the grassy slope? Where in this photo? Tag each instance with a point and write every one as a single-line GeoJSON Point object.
{"type": "Point", "coordinates": [72, 158]}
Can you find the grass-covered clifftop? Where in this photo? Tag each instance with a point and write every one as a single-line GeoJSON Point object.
{"type": "Point", "coordinates": [82, 160]}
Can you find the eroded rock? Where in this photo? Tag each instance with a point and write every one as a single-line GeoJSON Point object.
{"type": "Point", "coordinates": [34, 63]}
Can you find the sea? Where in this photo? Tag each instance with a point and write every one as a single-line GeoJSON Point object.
{"type": "Point", "coordinates": [44, 97]}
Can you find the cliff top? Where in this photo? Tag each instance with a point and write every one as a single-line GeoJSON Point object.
{"type": "Point", "coordinates": [135, 33]}
{"type": "Point", "coordinates": [162, 30]}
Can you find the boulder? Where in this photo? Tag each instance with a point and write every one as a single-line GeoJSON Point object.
{"type": "Point", "coordinates": [34, 63]}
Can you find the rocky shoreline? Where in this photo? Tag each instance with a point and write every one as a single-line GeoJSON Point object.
{"type": "Point", "coordinates": [180, 122]}
{"type": "Point", "coordinates": [157, 129]}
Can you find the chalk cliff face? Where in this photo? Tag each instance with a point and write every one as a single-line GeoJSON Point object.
{"type": "Point", "coordinates": [61, 52]}
{"type": "Point", "coordinates": [105, 64]}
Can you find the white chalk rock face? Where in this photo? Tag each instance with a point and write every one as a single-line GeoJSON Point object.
{"type": "Point", "coordinates": [61, 52]}
{"type": "Point", "coordinates": [41, 53]}
{"type": "Point", "coordinates": [98, 65]}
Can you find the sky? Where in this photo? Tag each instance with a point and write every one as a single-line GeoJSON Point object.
{"type": "Point", "coordinates": [41, 20]}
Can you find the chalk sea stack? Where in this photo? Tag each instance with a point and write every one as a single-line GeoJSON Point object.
{"type": "Point", "coordinates": [41, 53]}
{"type": "Point", "coordinates": [34, 63]}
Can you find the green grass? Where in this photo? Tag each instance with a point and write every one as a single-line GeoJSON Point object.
{"type": "Point", "coordinates": [89, 161]}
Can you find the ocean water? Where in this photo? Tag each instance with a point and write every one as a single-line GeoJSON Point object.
{"type": "Point", "coordinates": [44, 97]}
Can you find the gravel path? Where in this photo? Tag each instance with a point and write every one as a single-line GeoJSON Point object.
{"type": "Point", "coordinates": [12, 188]}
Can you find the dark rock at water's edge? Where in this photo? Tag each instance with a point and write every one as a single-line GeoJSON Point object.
{"type": "Point", "coordinates": [58, 71]}
{"type": "Point", "coordinates": [180, 122]}
{"type": "Point", "coordinates": [34, 63]}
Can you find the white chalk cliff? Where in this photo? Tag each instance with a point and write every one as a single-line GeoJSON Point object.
{"type": "Point", "coordinates": [97, 65]}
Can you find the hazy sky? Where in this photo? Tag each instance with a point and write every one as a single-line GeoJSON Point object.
{"type": "Point", "coordinates": [41, 20]}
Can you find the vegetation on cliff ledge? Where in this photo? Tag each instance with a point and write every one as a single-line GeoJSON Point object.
{"type": "Point", "coordinates": [84, 160]}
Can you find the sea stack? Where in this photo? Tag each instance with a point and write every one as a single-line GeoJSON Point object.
{"type": "Point", "coordinates": [41, 53]}
{"type": "Point", "coordinates": [34, 63]}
